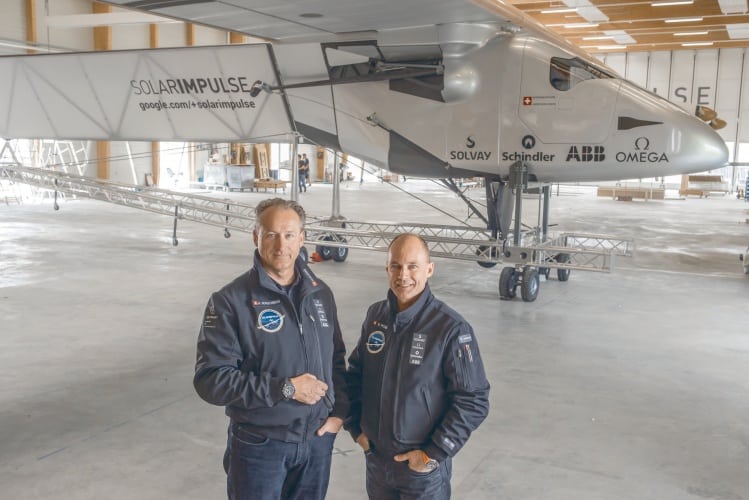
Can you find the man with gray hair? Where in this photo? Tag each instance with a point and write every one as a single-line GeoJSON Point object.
{"type": "Point", "coordinates": [270, 350]}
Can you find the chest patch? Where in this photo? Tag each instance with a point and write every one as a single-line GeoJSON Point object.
{"type": "Point", "coordinates": [418, 343]}
{"type": "Point", "coordinates": [269, 320]}
{"type": "Point", "coordinates": [375, 342]}
{"type": "Point", "coordinates": [320, 309]}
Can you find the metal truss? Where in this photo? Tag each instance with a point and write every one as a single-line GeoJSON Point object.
{"type": "Point", "coordinates": [582, 251]}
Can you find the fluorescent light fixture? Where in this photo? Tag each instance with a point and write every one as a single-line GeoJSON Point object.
{"type": "Point", "coordinates": [697, 44]}
{"type": "Point", "coordinates": [672, 2]}
{"type": "Point", "coordinates": [580, 25]}
{"type": "Point", "coordinates": [732, 6]}
{"type": "Point", "coordinates": [600, 37]}
{"type": "Point", "coordinates": [611, 47]}
{"type": "Point", "coordinates": [558, 11]}
{"type": "Point", "coordinates": [691, 33]}
{"type": "Point", "coordinates": [684, 20]}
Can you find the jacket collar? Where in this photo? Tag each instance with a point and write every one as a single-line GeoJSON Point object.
{"type": "Point", "coordinates": [308, 282]}
{"type": "Point", "coordinates": [411, 311]}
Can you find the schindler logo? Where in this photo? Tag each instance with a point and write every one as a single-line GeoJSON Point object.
{"type": "Point", "coordinates": [470, 155]}
{"type": "Point", "coordinates": [586, 153]}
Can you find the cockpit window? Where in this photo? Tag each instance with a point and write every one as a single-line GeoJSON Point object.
{"type": "Point", "coordinates": [566, 73]}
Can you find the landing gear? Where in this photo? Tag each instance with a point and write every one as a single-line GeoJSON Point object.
{"type": "Point", "coordinates": [530, 284]}
{"type": "Point", "coordinates": [338, 254]}
{"type": "Point", "coordinates": [528, 279]}
{"type": "Point", "coordinates": [529, 260]}
{"type": "Point", "coordinates": [508, 280]}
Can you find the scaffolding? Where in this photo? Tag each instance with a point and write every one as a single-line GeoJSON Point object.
{"type": "Point", "coordinates": [335, 236]}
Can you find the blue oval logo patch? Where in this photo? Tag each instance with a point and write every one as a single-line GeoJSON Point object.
{"type": "Point", "coordinates": [270, 320]}
{"type": "Point", "coordinates": [375, 342]}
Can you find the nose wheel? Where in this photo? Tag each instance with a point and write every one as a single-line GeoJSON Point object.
{"type": "Point", "coordinates": [528, 280]}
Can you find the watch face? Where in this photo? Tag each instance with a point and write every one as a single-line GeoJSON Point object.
{"type": "Point", "coordinates": [287, 391]}
{"type": "Point", "coordinates": [432, 464]}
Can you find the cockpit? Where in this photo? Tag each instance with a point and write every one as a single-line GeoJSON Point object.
{"type": "Point", "coordinates": [565, 73]}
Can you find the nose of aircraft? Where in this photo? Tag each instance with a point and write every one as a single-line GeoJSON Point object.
{"type": "Point", "coordinates": [696, 147]}
{"type": "Point", "coordinates": [688, 143]}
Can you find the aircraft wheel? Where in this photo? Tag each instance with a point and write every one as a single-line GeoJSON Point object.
{"type": "Point", "coordinates": [507, 283]}
{"type": "Point", "coordinates": [563, 274]}
{"type": "Point", "coordinates": [340, 254]}
{"type": "Point", "coordinates": [492, 252]}
{"type": "Point", "coordinates": [530, 284]}
{"type": "Point", "coordinates": [325, 252]}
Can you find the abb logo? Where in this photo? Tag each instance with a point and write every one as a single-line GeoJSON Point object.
{"type": "Point", "coordinates": [586, 153]}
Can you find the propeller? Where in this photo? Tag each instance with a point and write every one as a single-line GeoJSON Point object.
{"type": "Point", "coordinates": [717, 123]}
{"type": "Point", "coordinates": [710, 116]}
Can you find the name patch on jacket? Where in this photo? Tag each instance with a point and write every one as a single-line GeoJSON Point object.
{"type": "Point", "coordinates": [257, 303]}
{"type": "Point", "coordinates": [418, 343]}
{"type": "Point", "coordinates": [320, 312]}
{"type": "Point", "coordinates": [269, 320]}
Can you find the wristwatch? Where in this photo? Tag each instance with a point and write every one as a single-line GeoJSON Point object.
{"type": "Point", "coordinates": [287, 389]}
{"type": "Point", "coordinates": [430, 463]}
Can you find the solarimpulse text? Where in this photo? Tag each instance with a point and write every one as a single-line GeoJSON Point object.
{"type": "Point", "coordinates": [171, 86]}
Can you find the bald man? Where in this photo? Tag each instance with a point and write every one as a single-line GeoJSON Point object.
{"type": "Point", "coordinates": [416, 382]}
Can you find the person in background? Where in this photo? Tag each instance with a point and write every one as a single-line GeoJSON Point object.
{"type": "Point", "coordinates": [270, 351]}
{"type": "Point", "coordinates": [302, 180]}
{"type": "Point", "coordinates": [416, 383]}
{"type": "Point", "coordinates": [306, 169]}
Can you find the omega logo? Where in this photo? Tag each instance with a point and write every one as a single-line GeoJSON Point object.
{"type": "Point", "coordinates": [642, 143]}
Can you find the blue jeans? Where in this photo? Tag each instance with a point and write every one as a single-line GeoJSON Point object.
{"type": "Point", "coordinates": [391, 480]}
{"type": "Point", "coordinates": [267, 469]}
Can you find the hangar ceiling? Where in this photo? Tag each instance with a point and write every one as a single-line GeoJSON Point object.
{"type": "Point", "coordinates": [644, 25]}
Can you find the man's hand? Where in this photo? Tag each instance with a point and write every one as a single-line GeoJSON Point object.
{"type": "Point", "coordinates": [307, 389]}
{"type": "Point", "coordinates": [331, 425]}
{"type": "Point", "coordinates": [416, 460]}
{"type": "Point", "coordinates": [363, 441]}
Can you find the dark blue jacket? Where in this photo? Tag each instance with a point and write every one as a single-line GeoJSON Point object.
{"type": "Point", "coordinates": [416, 379]}
{"type": "Point", "coordinates": [253, 336]}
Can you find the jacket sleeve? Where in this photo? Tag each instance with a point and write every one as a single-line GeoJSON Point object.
{"type": "Point", "coordinates": [467, 390]}
{"type": "Point", "coordinates": [341, 407]}
{"type": "Point", "coordinates": [219, 378]}
{"type": "Point", "coordinates": [353, 385]}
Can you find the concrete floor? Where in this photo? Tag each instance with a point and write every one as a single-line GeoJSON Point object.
{"type": "Point", "coordinates": [629, 385]}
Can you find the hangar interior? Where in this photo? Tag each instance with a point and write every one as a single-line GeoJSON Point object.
{"type": "Point", "coordinates": [621, 385]}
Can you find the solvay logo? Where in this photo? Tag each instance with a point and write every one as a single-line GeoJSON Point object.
{"type": "Point", "coordinates": [642, 144]}
{"type": "Point", "coordinates": [470, 143]}
{"type": "Point", "coordinates": [375, 342]}
{"type": "Point", "coordinates": [269, 320]}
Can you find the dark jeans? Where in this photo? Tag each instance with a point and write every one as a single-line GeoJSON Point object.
{"type": "Point", "coordinates": [391, 480]}
{"type": "Point", "coordinates": [267, 469]}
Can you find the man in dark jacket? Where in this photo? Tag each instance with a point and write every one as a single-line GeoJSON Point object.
{"type": "Point", "coordinates": [270, 350]}
{"type": "Point", "coordinates": [416, 383]}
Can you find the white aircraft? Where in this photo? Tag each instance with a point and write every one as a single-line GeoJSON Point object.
{"type": "Point", "coordinates": [442, 89]}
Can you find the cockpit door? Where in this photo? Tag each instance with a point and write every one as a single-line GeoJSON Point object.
{"type": "Point", "coordinates": [565, 99]}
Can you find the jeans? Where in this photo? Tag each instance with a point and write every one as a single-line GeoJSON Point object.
{"type": "Point", "coordinates": [267, 469]}
{"type": "Point", "coordinates": [391, 480]}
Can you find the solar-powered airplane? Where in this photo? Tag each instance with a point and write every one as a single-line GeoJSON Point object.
{"type": "Point", "coordinates": [447, 89]}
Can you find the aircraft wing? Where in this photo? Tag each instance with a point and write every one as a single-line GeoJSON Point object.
{"type": "Point", "coordinates": [318, 20]}
{"type": "Point", "coordinates": [340, 20]}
